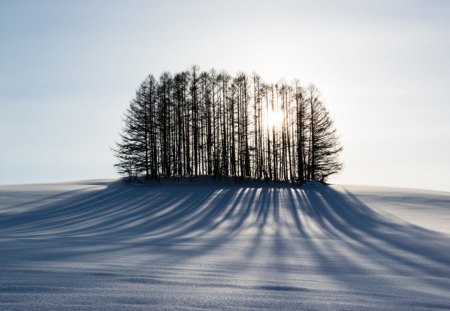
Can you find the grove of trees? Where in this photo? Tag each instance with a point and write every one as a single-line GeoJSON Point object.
{"type": "Point", "coordinates": [208, 123]}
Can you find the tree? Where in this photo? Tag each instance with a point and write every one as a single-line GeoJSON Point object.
{"type": "Point", "coordinates": [324, 146]}
{"type": "Point", "coordinates": [300, 131]}
{"type": "Point", "coordinates": [135, 151]}
{"type": "Point", "coordinates": [203, 123]}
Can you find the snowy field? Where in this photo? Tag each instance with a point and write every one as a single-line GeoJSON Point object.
{"type": "Point", "coordinates": [104, 245]}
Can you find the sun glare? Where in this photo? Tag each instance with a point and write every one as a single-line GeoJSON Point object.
{"type": "Point", "coordinates": [273, 118]}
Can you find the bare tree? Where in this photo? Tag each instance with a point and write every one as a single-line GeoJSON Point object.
{"type": "Point", "coordinates": [134, 151]}
{"type": "Point", "coordinates": [324, 146]}
{"type": "Point", "coordinates": [203, 123]}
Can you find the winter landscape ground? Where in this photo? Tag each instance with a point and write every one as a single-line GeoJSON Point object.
{"type": "Point", "coordinates": [106, 245]}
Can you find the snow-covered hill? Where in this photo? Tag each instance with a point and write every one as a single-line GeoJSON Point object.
{"type": "Point", "coordinates": [106, 245]}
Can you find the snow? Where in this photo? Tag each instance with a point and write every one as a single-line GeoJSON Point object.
{"type": "Point", "coordinates": [106, 245]}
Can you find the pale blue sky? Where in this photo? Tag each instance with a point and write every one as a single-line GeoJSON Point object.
{"type": "Point", "coordinates": [69, 69]}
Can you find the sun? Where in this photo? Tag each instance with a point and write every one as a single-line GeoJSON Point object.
{"type": "Point", "coordinates": [273, 118]}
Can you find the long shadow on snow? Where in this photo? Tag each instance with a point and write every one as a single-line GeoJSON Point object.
{"type": "Point", "coordinates": [347, 216]}
{"type": "Point", "coordinates": [362, 241]}
{"type": "Point", "coordinates": [120, 217]}
{"type": "Point", "coordinates": [160, 219]}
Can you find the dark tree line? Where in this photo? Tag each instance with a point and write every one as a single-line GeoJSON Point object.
{"type": "Point", "coordinates": [207, 123]}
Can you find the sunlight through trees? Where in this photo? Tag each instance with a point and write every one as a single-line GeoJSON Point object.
{"type": "Point", "coordinates": [207, 123]}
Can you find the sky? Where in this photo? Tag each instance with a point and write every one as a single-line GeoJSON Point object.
{"type": "Point", "coordinates": [68, 70]}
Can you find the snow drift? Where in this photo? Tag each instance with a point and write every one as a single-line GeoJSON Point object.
{"type": "Point", "coordinates": [107, 245]}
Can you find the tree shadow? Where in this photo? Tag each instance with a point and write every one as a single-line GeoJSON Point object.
{"type": "Point", "coordinates": [363, 242]}
{"type": "Point", "coordinates": [171, 224]}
